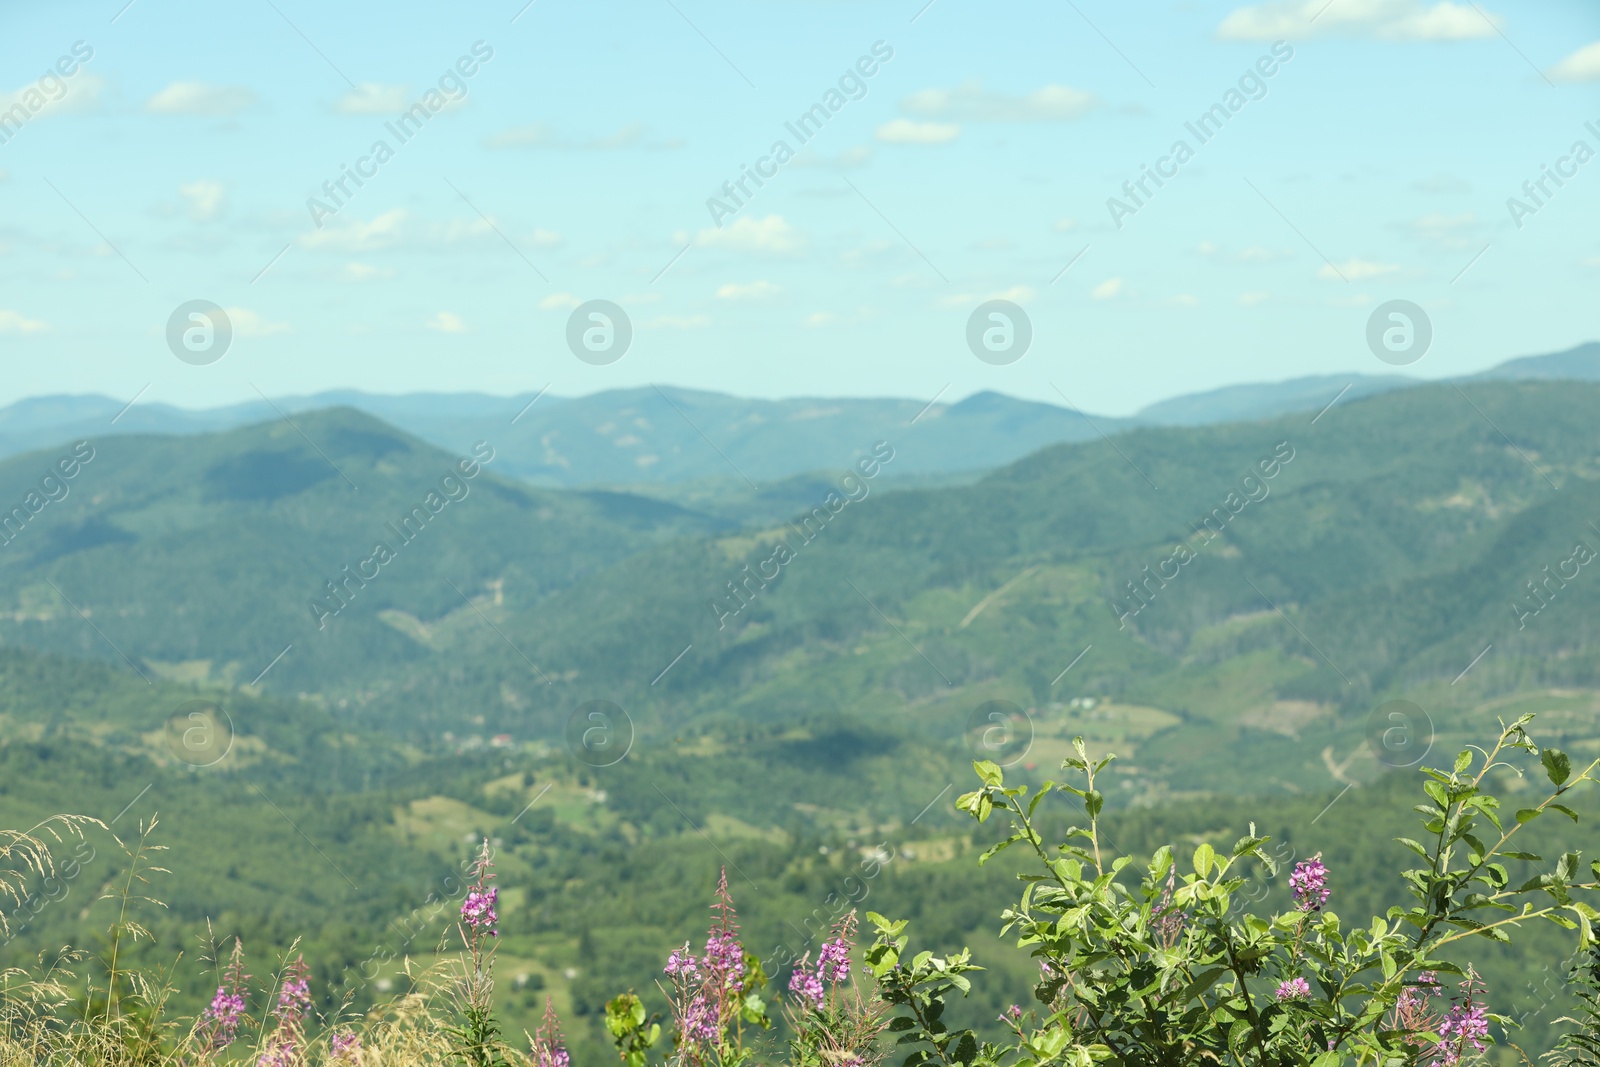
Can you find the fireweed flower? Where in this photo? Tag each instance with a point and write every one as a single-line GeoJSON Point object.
{"type": "Point", "coordinates": [223, 1017]}
{"type": "Point", "coordinates": [549, 1047]}
{"type": "Point", "coordinates": [344, 1043]}
{"type": "Point", "coordinates": [228, 1006]}
{"type": "Point", "coordinates": [805, 983]}
{"type": "Point", "coordinates": [1310, 884]}
{"type": "Point", "coordinates": [725, 958]}
{"type": "Point", "coordinates": [700, 1022]}
{"type": "Point", "coordinates": [833, 961]}
{"type": "Point", "coordinates": [478, 910]}
{"type": "Point", "coordinates": [681, 963]}
{"type": "Point", "coordinates": [294, 1003]}
{"type": "Point", "coordinates": [1293, 989]}
{"type": "Point", "coordinates": [1466, 1022]}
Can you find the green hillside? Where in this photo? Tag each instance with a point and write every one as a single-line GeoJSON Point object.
{"type": "Point", "coordinates": [201, 557]}
{"type": "Point", "coordinates": [1393, 544]}
{"type": "Point", "coordinates": [1375, 553]}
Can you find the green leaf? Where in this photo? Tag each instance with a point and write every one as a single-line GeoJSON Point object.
{"type": "Point", "coordinates": [1557, 764]}
{"type": "Point", "coordinates": [1563, 809]}
{"type": "Point", "coordinates": [1463, 760]}
{"type": "Point", "coordinates": [1249, 843]}
{"type": "Point", "coordinates": [1413, 846]}
{"type": "Point", "coordinates": [1203, 858]}
{"type": "Point", "coordinates": [1093, 803]}
{"type": "Point", "coordinates": [990, 772]}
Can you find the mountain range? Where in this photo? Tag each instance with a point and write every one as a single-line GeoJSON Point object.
{"type": "Point", "coordinates": [736, 451]}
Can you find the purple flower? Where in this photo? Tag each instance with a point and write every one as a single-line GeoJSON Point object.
{"type": "Point", "coordinates": [1293, 989]}
{"type": "Point", "coordinates": [278, 1054]}
{"type": "Point", "coordinates": [725, 957]}
{"type": "Point", "coordinates": [294, 996]}
{"type": "Point", "coordinates": [805, 982]}
{"type": "Point", "coordinates": [1467, 1021]}
{"type": "Point", "coordinates": [833, 961]}
{"type": "Point", "coordinates": [1413, 998]}
{"type": "Point", "coordinates": [700, 1021]}
{"type": "Point", "coordinates": [226, 1009]}
{"type": "Point", "coordinates": [549, 1047]}
{"type": "Point", "coordinates": [477, 911]}
{"type": "Point", "coordinates": [294, 1002]}
{"type": "Point", "coordinates": [1310, 884]}
{"type": "Point", "coordinates": [345, 1043]}
{"type": "Point", "coordinates": [1011, 1014]}
{"type": "Point", "coordinates": [681, 963]}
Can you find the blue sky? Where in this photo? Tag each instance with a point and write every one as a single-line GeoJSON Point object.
{"type": "Point", "coordinates": [577, 162]}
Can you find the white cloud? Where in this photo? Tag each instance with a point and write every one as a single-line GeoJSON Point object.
{"type": "Point", "coordinates": [1109, 289]}
{"type": "Point", "coordinates": [196, 98]}
{"type": "Point", "coordinates": [849, 159]}
{"type": "Point", "coordinates": [1355, 270]}
{"type": "Point", "coordinates": [81, 93]}
{"type": "Point", "coordinates": [16, 322]}
{"type": "Point", "coordinates": [373, 98]}
{"type": "Point", "coordinates": [1250, 300]}
{"type": "Point", "coordinates": [247, 323]}
{"type": "Point", "coordinates": [351, 234]}
{"type": "Point", "coordinates": [204, 199]}
{"type": "Point", "coordinates": [970, 102]}
{"type": "Point", "coordinates": [559, 302]}
{"type": "Point", "coordinates": [1383, 20]}
{"type": "Point", "coordinates": [364, 272]}
{"type": "Point", "coordinates": [680, 322]}
{"type": "Point", "coordinates": [904, 131]}
{"type": "Point", "coordinates": [1017, 294]}
{"type": "Point", "coordinates": [1581, 66]}
{"type": "Point", "coordinates": [348, 233]}
{"type": "Point", "coordinates": [539, 135]}
{"type": "Point", "coordinates": [1184, 300]}
{"type": "Point", "coordinates": [770, 235]}
{"type": "Point", "coordinates": [447, 322]}
{"type": "Point", "coordinates": [821, 318]}
{"type": "Point", "coordinates": [757, 290]}
{"type": "Point", "coordinates": [1065, 225]}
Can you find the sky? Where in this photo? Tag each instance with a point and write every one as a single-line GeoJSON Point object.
{"type": "Point", "coordinates": [570, 152]}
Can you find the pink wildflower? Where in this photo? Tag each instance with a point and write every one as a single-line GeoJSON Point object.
{"type": "Point", "coordinates": [1309, 881]}
{"type": "Point", "coordinates": [1293, 989]}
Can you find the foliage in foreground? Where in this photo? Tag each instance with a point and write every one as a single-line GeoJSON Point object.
{"type": "Point", "coordinates": [1142, 963]}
